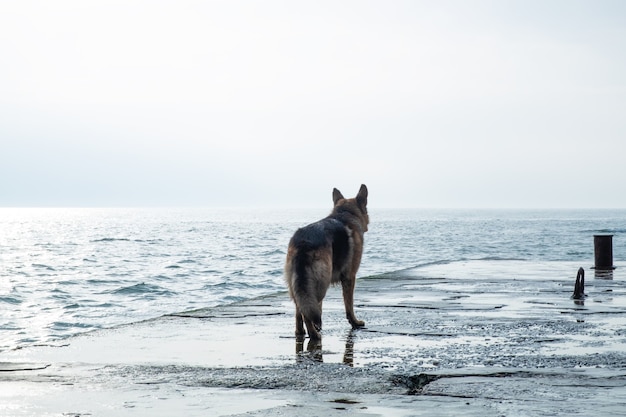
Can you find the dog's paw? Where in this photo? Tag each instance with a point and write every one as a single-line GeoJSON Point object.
{"type": "Point", "coordinates": [358, 323]}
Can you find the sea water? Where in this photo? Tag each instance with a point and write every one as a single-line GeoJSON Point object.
{"type": "Point", "coordinates": [67, 271]}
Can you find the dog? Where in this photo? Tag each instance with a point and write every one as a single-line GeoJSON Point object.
{"type": "Point", "coordinates": [323, 253]}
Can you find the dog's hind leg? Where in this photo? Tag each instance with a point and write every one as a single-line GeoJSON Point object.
{"type": "Point", "coordinates": [313, 321]}
{"type": "Point", "coordinates": [347, 285]}
{"type": "Point", "coordinates": [310, 315]}
{"type": "Point", "coordinates": [300, 333]}
{"type": "Point", "coordinates": [314, 334]}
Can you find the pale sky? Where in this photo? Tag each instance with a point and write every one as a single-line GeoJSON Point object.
{"type": "Point", "coordinates": [515, 104]}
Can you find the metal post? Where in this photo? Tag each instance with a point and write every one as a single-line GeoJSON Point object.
{"type": "Point", "coordinates": [603, 249]}
{"type": "Point", "coordinates": [579, 287]}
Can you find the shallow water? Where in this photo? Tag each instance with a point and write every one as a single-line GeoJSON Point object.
{"type": "Point", "coordinates": [67, 271]}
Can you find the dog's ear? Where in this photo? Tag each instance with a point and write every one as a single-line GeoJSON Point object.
{"type": "Point", "coordinates": [337, 196]}
{"type": "Point", "coordinates": [361, 197]}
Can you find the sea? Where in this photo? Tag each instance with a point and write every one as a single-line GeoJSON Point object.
{"type": "Point", "coordinates": [65, 271]}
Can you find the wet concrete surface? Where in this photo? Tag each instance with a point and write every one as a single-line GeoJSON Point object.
{"type": "Point", "coordinates": [483, 338]}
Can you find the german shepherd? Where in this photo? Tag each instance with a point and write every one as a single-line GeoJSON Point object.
{"type": "Point", "coordinates": [324, 253]}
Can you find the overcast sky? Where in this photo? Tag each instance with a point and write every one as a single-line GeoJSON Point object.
{"type": "Point", "coordinates": [274, 103]}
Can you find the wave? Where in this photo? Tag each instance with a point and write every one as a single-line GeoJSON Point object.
{"type": "Point", "coordinates": [106, 305]}
{"type": "Point", "coordinates": [10, 300]}
{"type": "Point", "coordinates": [273, 252]}
{"type": "Point", "coordinates": [232, 299]}
{"type": "Point", "coordinates": [43, 266]}
{"type": "Point", "coordinates": [100, 281]}
{"type": "Point", "coordinates": [447, 262]}
{"type": "Point", "coordinates": [439, 262]}
{"type": "Point", "coordinates": [64, 325]}
{"type": "Point", "coordinates": [187, 261]}
{"type": "Point", "coordinates": [211, 271]}
{"type": "Point", "coordinates": [422, 265]}
{"type": "Point", "coordinates": [498, 258]}
{"type": "Point", "coordinates": [604, 231]}
{"type": "Point", "coordinates": [229, 285]}
{"type": "Point", "coordinates": [111, 239]}
{"type": "Point", "coordinates": [237, 286]}
{"type": "Point", "coordinates": [142, 288]}
{"type": "Point", "coordinates": [484, 258]}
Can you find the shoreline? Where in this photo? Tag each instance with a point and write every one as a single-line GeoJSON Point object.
{"type": "Point", "coordinates": [480, 338]}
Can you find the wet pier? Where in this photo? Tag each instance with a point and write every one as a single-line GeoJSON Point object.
{"type": "Point", "coordinates": [475, 338]}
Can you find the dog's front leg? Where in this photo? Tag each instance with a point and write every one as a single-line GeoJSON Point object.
{"type": "Point", "coordinates": [347, 285]}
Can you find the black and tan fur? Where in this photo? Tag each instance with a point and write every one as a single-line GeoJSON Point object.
{"type": "Point", "coordinates": [324, 253]}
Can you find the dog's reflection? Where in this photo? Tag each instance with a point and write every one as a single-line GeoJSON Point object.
{"type": "Point", "coordinates": [314, 350]}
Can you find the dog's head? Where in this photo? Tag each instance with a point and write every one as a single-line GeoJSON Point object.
{"type": "Point", "coordinates": [356, 207]}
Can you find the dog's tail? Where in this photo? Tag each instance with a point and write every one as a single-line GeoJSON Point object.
{"type": "Point", "coordinates": [302, 283]}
